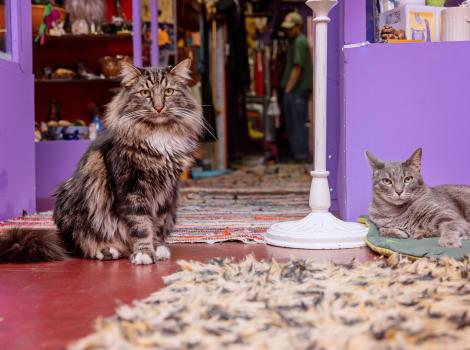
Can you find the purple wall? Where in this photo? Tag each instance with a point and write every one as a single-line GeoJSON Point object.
{"type": "Point", "coordinates": [399, 97]}
{"type": "Point", "coordinates": [55, 162]}
{"type": "Point", "coordinates": [17, 118]}
{"type": "Point", "coordinates": [354, 20]}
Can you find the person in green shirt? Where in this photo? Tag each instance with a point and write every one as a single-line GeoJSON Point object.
{"type": "Point", "coordinates": [297, 83]}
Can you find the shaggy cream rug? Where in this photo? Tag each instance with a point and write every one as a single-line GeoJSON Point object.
{"type": "Point", "coordinates": [384, 304]}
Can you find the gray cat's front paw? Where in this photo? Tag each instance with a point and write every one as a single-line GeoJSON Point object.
{"type": "Point", "coordinates": [144, 257]}
{"type": "Point", "coordinates": [393, 232]}
{"type": "Point", "coordinates": [450, 241]}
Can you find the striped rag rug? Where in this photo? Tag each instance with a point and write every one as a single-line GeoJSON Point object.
{"type": "Point", "coordinates": [240, 206]}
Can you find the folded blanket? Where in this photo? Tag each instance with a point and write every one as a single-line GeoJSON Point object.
{"type": "Point", "coordinates": [417, 248]}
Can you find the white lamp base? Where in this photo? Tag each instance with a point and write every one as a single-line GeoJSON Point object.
{"type": "Point", "coordinates": [317, 231]}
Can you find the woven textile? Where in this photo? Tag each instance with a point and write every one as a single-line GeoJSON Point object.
{"type": "Point", "coordinates": [394, 304]}
{"type": "Point", "coordinates": [413, 248]}
{"type": "Point", "coordinates": [284, 178]}
{"type": "Point", "coordinates": [240, 206]}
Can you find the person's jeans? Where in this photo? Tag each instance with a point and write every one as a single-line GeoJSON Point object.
{"type": "Point", "coordinates": [295, 109]}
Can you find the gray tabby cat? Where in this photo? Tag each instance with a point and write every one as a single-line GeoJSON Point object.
{"type": "Point", "coordinates": [122, 199]}
{"type": "Point", "coordinates": [404, 207]}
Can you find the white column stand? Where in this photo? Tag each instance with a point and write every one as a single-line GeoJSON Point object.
{"type": "Point", "coordinates": [320, 229]}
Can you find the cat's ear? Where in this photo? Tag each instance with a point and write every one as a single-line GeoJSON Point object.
{"type": "Point", "coordinates": [129, 74]}
{"type": "Point", "coordinates": [374, 162]}
{"type": "Point", "coordinates": [183, 70]}
{"type": "Point", "coordinates": [415, 160]}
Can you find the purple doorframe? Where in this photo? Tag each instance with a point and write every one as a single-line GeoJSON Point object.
{"type": "Point", "coordinates": [333, 103]}
{"type": "Point", "coordinates": [137, 37]}
{"type": "Point", "coordinates": [154, 49]}
{"type": "Point", "coordinates": [17, 118]}
{"type": "Point", "coordinates": [137, 33]}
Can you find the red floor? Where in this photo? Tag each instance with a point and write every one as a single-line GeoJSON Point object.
{"type": "Point", "coordinates": [48, 305]}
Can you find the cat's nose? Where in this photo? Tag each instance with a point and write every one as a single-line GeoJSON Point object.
{"type": "Point", "coordinates": [399, 192]}
{"type": "Point", "coordinates": [159, 108]}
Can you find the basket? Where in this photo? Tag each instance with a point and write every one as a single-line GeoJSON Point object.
{"type": "Point", "coordinates": [455, 24]}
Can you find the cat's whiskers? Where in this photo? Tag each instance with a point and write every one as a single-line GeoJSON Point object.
{"type": "Point", "coordinates": [189, 114]}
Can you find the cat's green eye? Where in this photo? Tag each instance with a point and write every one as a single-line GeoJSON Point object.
{"type": "Point", "coordinates": [408, 179]}
{"type": "Point", "coordinates": [387, 181]}
{"type": "Point", "coordinates": [144, 93]}
{"type": "Point", "coordinates": [169, 91]}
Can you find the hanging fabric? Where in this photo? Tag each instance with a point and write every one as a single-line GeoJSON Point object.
{"type": "Point", "coordinates": [207, 102]}
{"type": "Point", "coordinates": [259, 73]}
{"type": "Point", "coordinates": [238, 78]}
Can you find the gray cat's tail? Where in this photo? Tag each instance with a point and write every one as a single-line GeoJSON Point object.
{"type": "Point", "coordinates": [20, 245]}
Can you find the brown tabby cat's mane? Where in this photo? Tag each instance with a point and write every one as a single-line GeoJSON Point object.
{"type": "Point", "coordinates": [122, 199]}
{"type": "Point", "coordinates": [404, 206]}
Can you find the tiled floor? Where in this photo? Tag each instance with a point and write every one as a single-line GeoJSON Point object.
{"type": "Point", "coordinates": [48, 305]}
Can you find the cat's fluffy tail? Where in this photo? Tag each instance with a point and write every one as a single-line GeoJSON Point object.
{"type": "Point", "coordinates": [22, 245]}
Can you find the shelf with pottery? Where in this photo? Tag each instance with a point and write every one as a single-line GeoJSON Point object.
{"type": "Point", "coordinates": [422, 50]}
{"type": "Point", "coordinates": [417, 23]}
{"type": "Point", "coordinates": [65, 65]}
{"type": "Point", "coordinates": [73, 81]}
{"type": "Point", "coordinates": [82, 40]}
{"type": "Point", "coordinates": [422, 47]}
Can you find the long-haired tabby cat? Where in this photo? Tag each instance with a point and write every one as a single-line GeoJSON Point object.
{"type": "Point", "coordinates": [404, 207]}
{"type": "Point", "coordinates": [122, 199]}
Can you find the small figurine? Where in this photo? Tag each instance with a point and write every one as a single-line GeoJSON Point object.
{"type": "Point", "coordinates": [54, 112]}
{"type": "Point", "coordinates": [49, 16]}
{"type": "Point", "coordinates": [57, 29]}
{"type": "Point", "coordinates": [63, 73]}
{"type": "Point", "coordinates": [80, 27]}
{"type": "Point", "coordinates": [85, 72]}
{"type": "Point", "coordinates": [97, 125]}
{"type": "Point", "coordinates": [37, 133]}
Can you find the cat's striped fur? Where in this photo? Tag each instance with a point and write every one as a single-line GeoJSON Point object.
{"type": "Point", "coordinates": [122, 199]}
{"type": "Point", "coordinates": [404, 206]}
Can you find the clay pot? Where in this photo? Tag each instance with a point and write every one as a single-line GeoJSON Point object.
{"type": "Point", "coordinates": [111, 65]}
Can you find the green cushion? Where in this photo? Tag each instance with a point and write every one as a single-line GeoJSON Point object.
{"type": "Point", "coordinates": [419, 248]}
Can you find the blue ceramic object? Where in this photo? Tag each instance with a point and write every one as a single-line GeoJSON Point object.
{"type": "Point", "coordinates": [98, 123]}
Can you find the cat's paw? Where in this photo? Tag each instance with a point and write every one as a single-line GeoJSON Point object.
{"type": "Point", "coordinates": [393, 232]}
{"type": "Point", "coordinates": [450, 242]}
{"type": "Point", "coordinates": [143, 258]}
{"type": "Point", "coordinates": [108, 253]}
{"type": "Point", "coordinates": [419, 234]}
{"type": "Point", "coordinates": [163, 252]}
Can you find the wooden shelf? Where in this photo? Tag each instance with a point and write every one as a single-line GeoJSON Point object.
{"type": "Point", "coordinates": [74, 95]}
{"type": "Point", "coordinates": [77, 81]}
{"type": "Point", "coordinates": [82, 40]}
{"type": "Point", "coordinates": [424, 45]}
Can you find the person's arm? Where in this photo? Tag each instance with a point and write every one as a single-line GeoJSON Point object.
{"type": "Point", "coordinates": [294, 77]}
